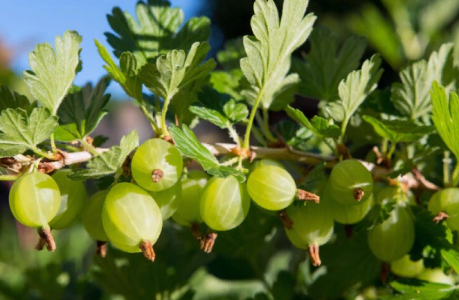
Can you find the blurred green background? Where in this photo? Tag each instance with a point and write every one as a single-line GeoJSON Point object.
{"type": "Point", "coordinates": [255, 260]}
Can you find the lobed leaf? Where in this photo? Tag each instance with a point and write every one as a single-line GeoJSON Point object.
{"type": "Point", "coordinates": [327, 64]}
{"type": "Point", "coordinates": [81, 111]}
{"type": "Point", "coordinates": [11, 99]}
{"type": "Point", "coordinates": [108, 163]}
{"type": "Point", "coordinates": [20, 131]}
{"type": "Point", "coordinates": [52, 71]}
{"type": "Point", "coordinates": [399, 130]}
{"type": "Point", "coordinates": [156, 32]}
{"type": "Point", "coordinates": [412, 96]}
{"type": "Point", "coordinates": [445, 116]}
{"type": "Point", "coordinates": [176, 70]}
{"type": "Point", "coordinates": [188, 145]}
{"type": "Point", "coordinates": [418, 289]}
{"type": "Point", "coordinates": [269, 51]}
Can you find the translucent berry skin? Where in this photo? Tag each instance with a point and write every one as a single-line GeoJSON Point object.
{"type": "Point", "coordinates": [447, 201]}
{"type": "Point", "coordinates": [225, 203]}
{"type": "Point", "coordinates": [313, 224]}
{"type": "Point", "coordinates": [436, 276]}
{"type": "Point", "coordinates": [271, 187]}
{"type": "Point", "coordinates": [295, 239]}
{"type": "Point", "coordinates": [73, 199]}
{"type": "Point", "coordinates": [92, 216]}
{"type": "Point", "coordinates": [350, 214]}
{"type": "Point", "coordinates": [405, 267]}
{"type": "Point", "coordinates": [392, 239]}
{"type": "Point", "coordinates": [168, 200]}
{"type": "Point", "coordinates": [35, 199]}
{"type": "Point", "coordinates": [125, 248]}
{"type": "Point", "coordinates": [193, 186]}
{"type": "Point", "coordinates": [265, 162]}
{"type": "Point", "coordinates": [347, 176]}
{"type": "Point", "coordinates": [130, 216]}
{"type": "Point", "coordinates": [156, 154]}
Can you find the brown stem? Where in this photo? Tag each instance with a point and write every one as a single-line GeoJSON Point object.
{"type": "Point", "coordinates": [40, 244]}
{"type": "Point", "coordinates": [196, 232]}
{"type": "Point", "coordinates": [307, 196]}
{"type": "Point", "coordinates": [45, 234]}
{"type": "Point", "coordinates": [440, 217]}
{"type": "Point", "coordinates": [314, 255]}
{"type": "Point", "coordinates": [358, 194]}
{"type": "Point", "coordinates": [157, 175]}
{"type": "Point", "coordinates": [209, 242]}
{"type": "Point", "coordinates": [342, 150]}
{"type": "Point", "coordinates": [288, 223]}
{"type": "Point", "coordinates": [384, 272]}
{"type": "Point", "coordinates": [147, 250]}
{"type": "Point", "coordinates": [101, 248]}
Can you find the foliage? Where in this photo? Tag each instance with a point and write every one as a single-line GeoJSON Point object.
{"type": "Point", "coordinates": [394, 129]}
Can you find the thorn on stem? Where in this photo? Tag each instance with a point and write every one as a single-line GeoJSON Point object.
{"type": "Point", "coordinates": [307, 196]}
{"type": "Point", "coordinates": [358, 194]}
{"type": "Point", "coordinates": [101, 249]}
{"type": "Point", "coordinates": [147, 250]}
{"type": "Point", "coordinates": [440, 217]}
{"type": "Point", "coordinates": [47, 237]}
{"type": "Point", "coordinates": [288, 223]}
{"type": "Point", "coordinates": [314, 255]}
{"type": "Point", "coordinates": [208, 243]}
{"type": "Point", "coordinates": [157, 175]}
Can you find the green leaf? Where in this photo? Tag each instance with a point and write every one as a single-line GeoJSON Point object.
{"type": "Point", "coordinates": [358, 85]}
{"type": "Point", "coordinates": [399, 130]}
{"type": "Point", "coordinates": [445, 116]}
{"type": "Point", "coordinates": [269, 52]}
{"type": "Point", "coordinates": [228, 83]}
{"type": "Point", "coordinates": [81, 111]}
{"type": "Point", "coordinates": [327, 64]}
{"type": "Point", "coordinates": [21, 131]}
{"type": "Point", "coordinates": [157, 31]}
{"type": "Point", "coordinates": [417, 289]}
{"type": "Point", "coordinates": [11, 99]}
{"type": "Point", "coordinates": [412, 96]}
{"type": "Point", "coordinates": [230, 56]}
{"type": "Point", "coordinates": [219, 109]}
{"type": "Point", "coordinates": [176, 70]}
{"type": "Point", "coordinates": [435, 239]}
{"type": "Point", "coordinates": [126, 75]}
{"type": "Point", "coordinates": [108, 163]}
{"type": "Point", "coordinates": [52, 71]}
{"type": "Point", "coordinates": [318, 125]}
{"type": "Point", "coordinates": [188, 145]}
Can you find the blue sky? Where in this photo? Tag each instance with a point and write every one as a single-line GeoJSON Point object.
{"type": "Point", "coordinates": [25, 23]}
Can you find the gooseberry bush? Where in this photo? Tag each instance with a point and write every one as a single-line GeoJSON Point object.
{"type": "Point", "coordinates": [365, 190]}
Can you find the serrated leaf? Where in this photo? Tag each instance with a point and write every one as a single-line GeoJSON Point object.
{"type": "Point", "coordinates": [218, 108]}
{"type": "Point", "coordinates": [126, 75]}
{"type": "Point", "coordinates": [188, 145]}
{"type": "Point", "coordinates": [398, 130]}
{"type": "Point", "coordinates": [20, 131]}
{"type": "Point", "coordinates": [232, 53]}
{"type": "Point", "coordinates": [445, 116]}
{"type": "Point", "coordinates": [315, 176]}
{"type": "Point", "coordinates": [108, 163]}
{"type": "Point", "coordinates": [81, 111]}
{"type": "Point", "coordinates": [269, 51]}
{"type": "Point", "coordinates": [176, 70]}
{"type": "Point", "coordinates": [157, 31]}
{"type": "Point", "coordinates": [358, 85]}
{"type": "Point", "coordinates": [417, 289]}
{"type": "Point", "coordinates": [317, 125]}
{"type": "Point", "coordinates": [52, 71]}
{"type": "Point", "coordinates": [327, 64]}
{"type": "Point", "coordinates": [412, 96]}
{"type": "Point", "coordinates": [11, 99]}
{"type": "Point", "coordinates": [228, 83]}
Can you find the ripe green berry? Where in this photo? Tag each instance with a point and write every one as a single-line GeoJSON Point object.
{"type": "Point", "coordinates": [92, 216]}
{"type": "Point", "coordinates": [444, 204]}
{"type": "Point", "coordinates": [405, 267]}
{"type": "Point", "coordinates": [437, 276]}
{"type": "Point", "coordinates": [168, 200]}
{"type": "Point", "coordinates": [350, 182]}
{"type": "Point", "coordinates": [156, 165]}
{"type": "Point", "coordinates": [73, 199]}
